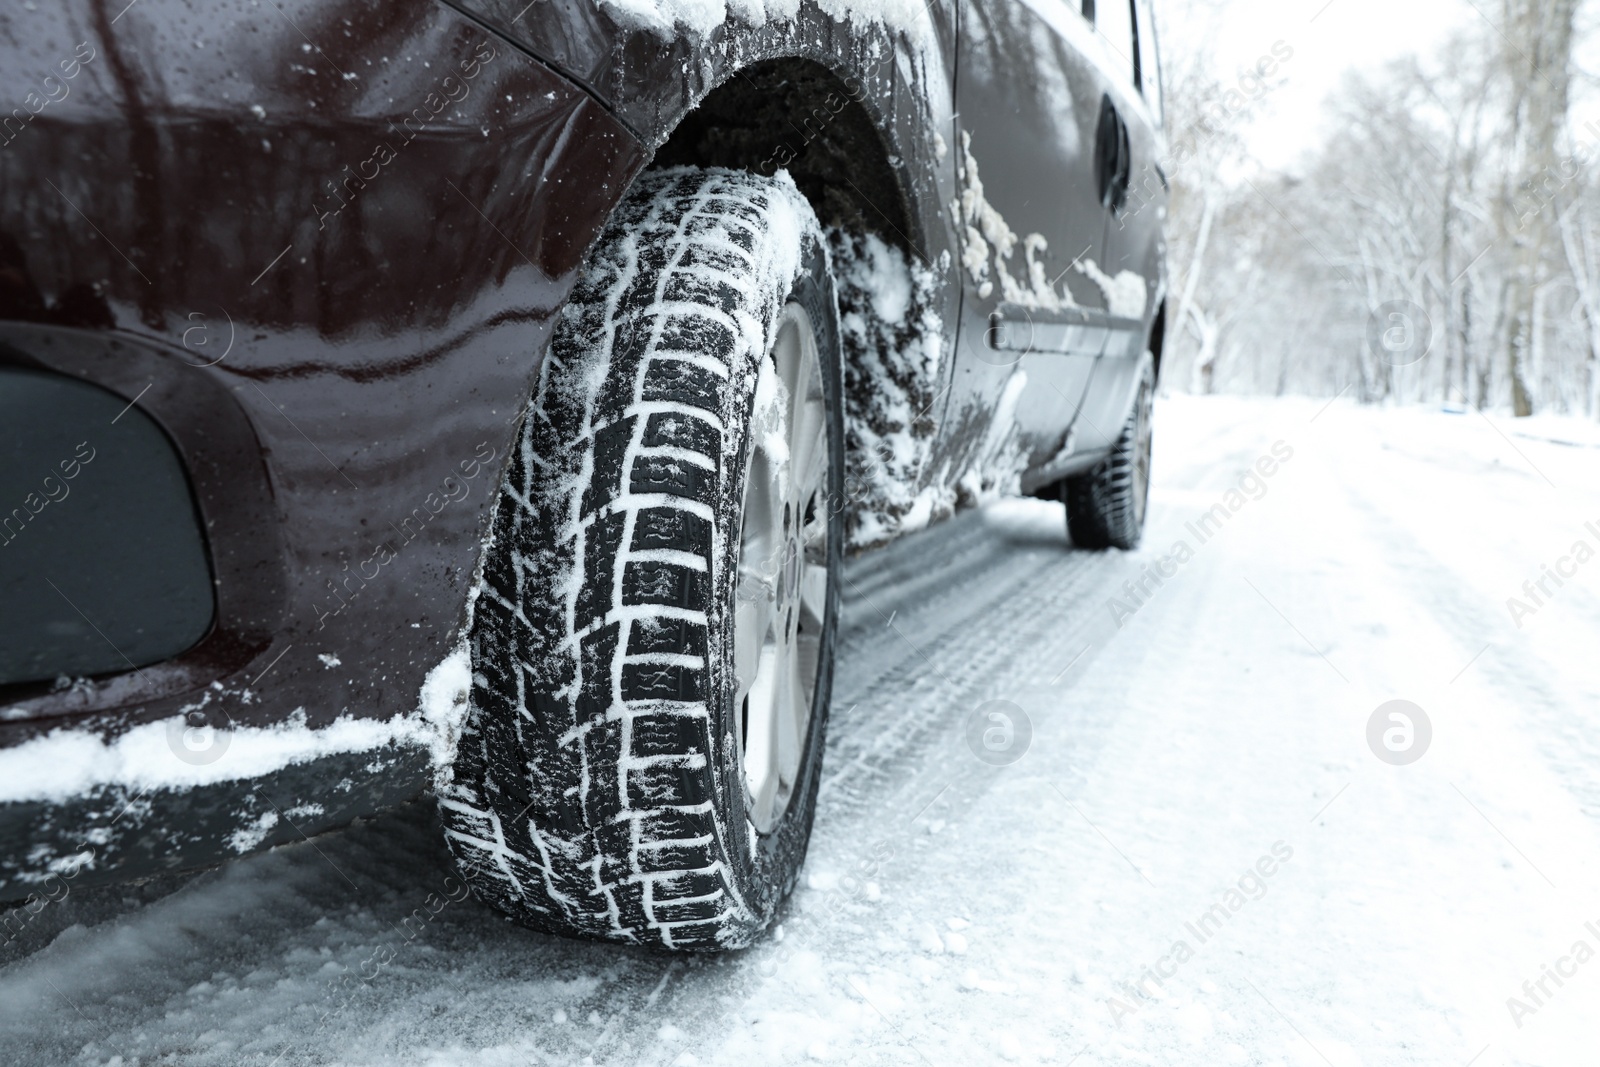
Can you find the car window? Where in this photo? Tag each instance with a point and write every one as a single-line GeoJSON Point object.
{"type": "Point", "coordinates": [1149, 68]}
{"type": "Point", "coordinates": [1114, 20]}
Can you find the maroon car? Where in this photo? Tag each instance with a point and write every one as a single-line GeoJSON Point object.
{"type": "Point", "coordinates": [481, 395]}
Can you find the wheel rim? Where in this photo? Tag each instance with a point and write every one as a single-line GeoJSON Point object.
{"type": "Point", "coordinates": [781, 598]}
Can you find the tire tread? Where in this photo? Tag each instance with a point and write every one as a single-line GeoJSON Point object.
{"type": "Point", "coordinates": [582, 801]}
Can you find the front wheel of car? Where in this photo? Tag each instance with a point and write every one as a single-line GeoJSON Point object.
{"type": "Point", "coordinates": [652, 647]}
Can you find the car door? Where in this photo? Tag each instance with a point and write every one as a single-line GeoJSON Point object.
{"type": "Point", "coordinates": [1030, 94]}
{"type": "Point", "coordinates": [1133, 267]}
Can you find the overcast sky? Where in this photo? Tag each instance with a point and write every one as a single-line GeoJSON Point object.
{"type": "Point", "coordinates": [1327, 38]}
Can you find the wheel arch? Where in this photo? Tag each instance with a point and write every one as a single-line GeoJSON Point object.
{"type": "Point", "coordinates": [797, 114]}
{"type": "Point", "coordinates": [859, 110]}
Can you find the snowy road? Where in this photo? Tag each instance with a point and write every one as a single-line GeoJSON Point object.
{"type": "Point", "coordinates": [1198, 813]}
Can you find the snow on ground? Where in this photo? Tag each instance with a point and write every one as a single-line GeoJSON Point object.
{"type": "Point", "coordinates": [1197, 860]}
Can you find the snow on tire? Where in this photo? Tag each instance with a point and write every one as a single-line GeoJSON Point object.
{"type": "Point", "coordinates": [600, 787]}
{"type": "Point", "coordinates": [1106, 506]}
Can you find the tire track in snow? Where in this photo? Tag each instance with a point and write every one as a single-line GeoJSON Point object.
{"type": "Point", "coordinates": [903, 704]}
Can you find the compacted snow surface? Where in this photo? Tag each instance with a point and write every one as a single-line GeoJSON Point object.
{"type": "Point", "coordinates": [1198, 859]}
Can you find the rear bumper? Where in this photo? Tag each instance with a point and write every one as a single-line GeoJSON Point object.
{"type": "Point", "coordinates": [327, 265]}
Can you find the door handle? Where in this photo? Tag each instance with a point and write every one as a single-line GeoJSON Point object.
{"type": "Point", "coordinates": [1113, 156]}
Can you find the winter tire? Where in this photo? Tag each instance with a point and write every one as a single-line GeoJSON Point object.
{"type": "Point", "coordinates": [652, 648]}
{"type": "Point", "coordinates": [1106, 506]}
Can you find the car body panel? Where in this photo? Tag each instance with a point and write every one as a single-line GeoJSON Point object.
{"type": "Point", "coordinates": [1135, 247]}
{"type": "Point", "coordinates": [1046, 344]}
{"type": "Point", "coordinates": [1032, 323]}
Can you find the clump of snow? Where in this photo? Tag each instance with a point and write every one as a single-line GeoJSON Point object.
{"type": "Point", "coordinates": [698, 18]}
{"type": "Point", "coordinates": [990, 239]}
{"type": "Point", "coordinates": [251, 834]}
{"type": "Point", "coordinates": [768, 423]}
{"type": "Point", "coordinates": [893, 340]}
{"type": "Point", "coordinates": [442, 705]}
{"type": "Point", "coordinates": [68, 762]}
{"type": "Point", "coordinates": [1126, 294]}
